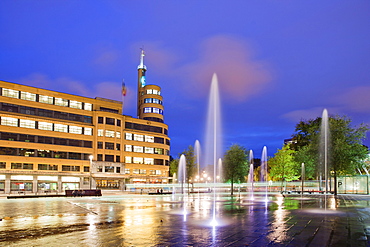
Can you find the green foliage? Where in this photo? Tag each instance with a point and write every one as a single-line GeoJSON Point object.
{"type": "Point", "coordinates": [191, 167]}
{"type": "Point", "coordinates": [235, 165]}
{"type": "Point", "coordinates": [174, 166]}
{"type": "Point", "coordinates": [346, 152]}
{"type": "Point", "coordinates": [283, 167]}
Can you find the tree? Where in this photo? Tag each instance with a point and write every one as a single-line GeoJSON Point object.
{"type": "Point", "coordinates": [235, 165]}
{"type": "Point", "coordinates": [190, 163]}
{"type": "Point", "coordinates": [283, 167]}
{"type": "Point", "coordinates": [346, 152]}
{"type": "Point", "coordinates": [174, 166]}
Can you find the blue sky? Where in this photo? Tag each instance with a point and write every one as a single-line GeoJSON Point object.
{"type": "Point", "coordinates": [277, 61]}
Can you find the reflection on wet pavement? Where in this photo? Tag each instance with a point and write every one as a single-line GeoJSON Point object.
{"type": "Point", "coordinates": [133, 220]}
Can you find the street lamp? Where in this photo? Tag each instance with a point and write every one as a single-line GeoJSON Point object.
{"type": "Point", "coordinates": [90, 158]}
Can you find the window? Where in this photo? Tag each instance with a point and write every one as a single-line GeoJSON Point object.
{"type": "Point", "coordinates": [88, 131]}
{"type": "Point", "coordinates": [147, 109]}
{"type": "Point", "coordinates": [10, 93]}
{"type": "Point", "coordinates": [138, 137]}
{"type": "Point", "coordinates": [138, 149]}
{"type": "Point", "coordinates": [118, 146]}
{"type": "Point", "coordinates": [88, 107]}
{"type": "Point", "coordinates": [100, 132]}
{"type": "Point", "coordinates": [26, 138]}
{"type": "Point", "coordinates": [110, 121]}
{"type": "Point", "coordinates": [136, 171]}
{"type": "Point", "coordinates": [109, 145]}
{"type": "Point", "coordinates": [149, 150]}
{"type": "Point", "coordinates": [158, 150]}
{"type": "Point", "coordinates": [2, 165]}
{"type": "Point", "coordinates": [61, 102]}
{"type": "Point", "coordinates": [158, 172]}
{"type": "Point", "coordinates": [86, 169]}
{"type": "Point", "coordinates": [100, 145]}
{"type": "Point", "coordinates": [118, 169]}
{"type": "Point", "coordinates": [155, 91]}
{"type": "Point", "coordinates": [128, 159]}
{"type": "Point", "coordinates": [149, 138]}
{"type": "Point", "coordinates": [149, 161]}
{"type": "Point", "coordinates": [75, 104]}
{"type": "Point", "coordinates": [128, 148]}
{"type": "Point", "coordinates": [100, 120]}
{"type": "Point", "coordinates": [100, 157]}
{"type": "Point", "coordinates": [156, 110]}
{"type": "Point", "coordinates": [109, 133]}
{"type": "Point", "coordinates": [9, 121]}
{"type": "Point", "coordinates": [24, 166]}
{"type": "Point", "coordinates": [48, 167]}
{"type": "Point", "coordinates": [118, 135]}
{"type": "Point", "coordinates": [128, 136]}
{"type": "Point", "coordinates": [46, 99]}
{"type": "Point", "coordinates": [75, 130]}
{"type": "Point", "coordinates": [28, 96]}
{"type": "Point", "coordinates": [61, 128]}
{"type": "Point", "coordinates": [24, 123]}
{"type": "Point", "coordinates": [45, 126]}
{"type": "Point", "coordinates": [118, 158]}
{"type": "Point", "coordinates": [127, 171]}
{"type": "Point", "coordinates": [149, 91]}
{"type": "Point", "coordinates": [118, 122]}
{"type": "Point", "coordinates": [148, 100]}
{"type": "Point", "coordinates": [109, 158]}
{"type": "Point", "coordinates": [70, 168]}
{"type": "Point", "coordinates": [138, 160]}
{"type": "Point", "coordinates": [109, 168]}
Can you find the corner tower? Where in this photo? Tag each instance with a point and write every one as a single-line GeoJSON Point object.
{"type": "Point", "coordinates": [149, 99]}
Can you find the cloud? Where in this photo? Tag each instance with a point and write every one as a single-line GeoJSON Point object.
{"type": "Point", "coordinates": [240, 75]}
{"type": "Point", "coordinates": [356, 99]}
{"type": "Point", "coordinates": [304, 114]}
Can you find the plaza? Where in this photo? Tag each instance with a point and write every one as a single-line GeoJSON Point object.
{"type": "Point", "coordinates": [134, 219]}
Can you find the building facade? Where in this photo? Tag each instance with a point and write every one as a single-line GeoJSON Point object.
{"type": "Point", "coordinates": [52, 141]}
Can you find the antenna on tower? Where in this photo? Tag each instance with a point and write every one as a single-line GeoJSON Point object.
{"type": "Point", "coordinates": [142, 66]}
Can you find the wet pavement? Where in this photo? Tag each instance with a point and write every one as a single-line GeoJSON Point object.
{"type": "Point", "coordinates": [173, 220]}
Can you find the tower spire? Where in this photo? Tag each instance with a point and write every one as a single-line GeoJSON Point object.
{"type": "Point", "coordinates": [142, 66]}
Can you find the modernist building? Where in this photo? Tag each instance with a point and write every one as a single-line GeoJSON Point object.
{"type": "Point", "coordinates": [52, 141]}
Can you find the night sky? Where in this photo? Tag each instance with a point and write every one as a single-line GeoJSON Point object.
{"type": "Point", "coordinates": [277, 62]}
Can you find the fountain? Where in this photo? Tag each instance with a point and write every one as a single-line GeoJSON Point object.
{"type": "Point", "coordinates": [197, 155]}
{"type": "Point", "coordinates": [324, 135]}
{"type": "Point", "coordinates": [264, 177]}
{"type": "Point", "coordinates": [251, 175]}
{"type": "Point", "coordinates": [181, 173]}
{"type": "Point", "coordinates": [219, 170]}
{"type": "Point", "coordinates": [213, 137]}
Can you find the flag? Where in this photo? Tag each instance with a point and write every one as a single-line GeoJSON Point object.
{"type": "Point", "coordinates": [124, 89]}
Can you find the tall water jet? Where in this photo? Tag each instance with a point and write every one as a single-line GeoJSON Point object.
{"type": "Point", "coordinates": [324, 140]}
{"type": "Point", "coordinates": [197, 157]}
{"type": "Point", "coordinates": [219, 171]}
{"type": "Point", "coordinates": [213, 136]}
{"type": "Point", "coordinates": [264, 177]}
{"type": "Point", "coordinates": [251, 174]}
{"type": "Point", "coordinates": [181, 172]}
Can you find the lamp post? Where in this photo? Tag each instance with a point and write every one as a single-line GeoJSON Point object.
{"type": "Point", "coordinates": [90, 168]}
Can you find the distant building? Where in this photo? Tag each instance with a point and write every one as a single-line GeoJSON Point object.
{"type": "Point", "coordinates": [52, 141]}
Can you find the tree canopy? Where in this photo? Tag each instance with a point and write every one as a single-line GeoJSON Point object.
{"type": "Point", "coordinates": [235, 165]}
{"type": "Point", "coordinates": [283, 167]}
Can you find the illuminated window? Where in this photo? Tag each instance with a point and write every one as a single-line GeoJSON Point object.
{"type": "Point", "coordinates": [128, 148]}
{"type": "Point", "coordinates": [9, 121]}
{"type": "Point", "coordinates": [158, 150]}
{"type": "Point", "coordinates": [88, 107]}
{"type": "Point", "coordinates": [158, 172]}
{"type": "Point", "coordinates": [61, 128]}
{"type": "Point", "coordinates": [147, 109]}
{"type": "Point", "coordinates": [46, 99]}
{"type": "Point", "coordinates": [138, 160]}
{"type": "Point", "coordinates": [109, 133]}
{"type": "Point", "coordinates": [27, 123]}
{"type": "Point", "coordinates": [88, 131]}
{"type": "Point", "coordinates": [10, 93]}
{"type": "Point", "coordinates": [149, 150]}
{"type": "Point", "coordinates": [149, 91]}
{"type": "Point", "coordinates": [45, 126]}
{"type": "Point", "coordinates": [136, 171]}
{"type": "Point", "coordinates": [61, 102]}
{"type": "Point", "coordinates": [127, 171]}
{"type": "Point", "coordinates": [138, 149]}
{"type": "Point", "coordinates": [138, 137]}
{"type": "Point", "coordinates": [100, 132]}
{"type": "Point", "coordinates": [155, 91]}
{"type": "Point", "coordinates": [128, 136]}
{"type": "Point", "coordinates": [156, 110]}
{"type": "Point", "coordinates": [75, 104]}
{"type": "Point", "coordinates": [149, 161]}
{"type": "Point", "coordinates": [118, 135]}
{"type": "Point", "coordinates": [28, 96]}
{"type": "Point", "coordinates": [128, 159]}
{"type": "Point", "coordinates": [75, 129]}
{"type": "Point", "coordinates": [149, 138]}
